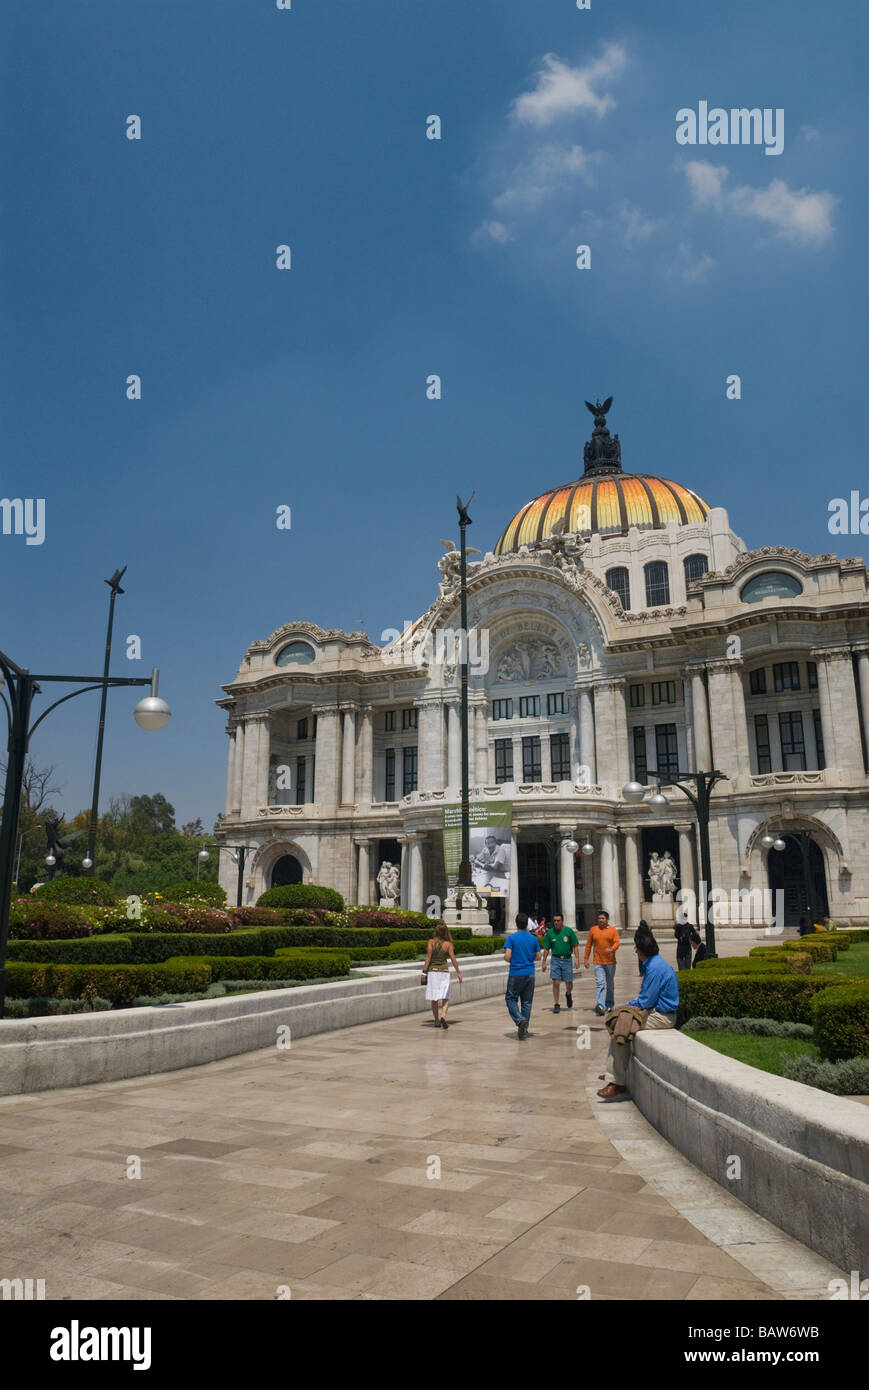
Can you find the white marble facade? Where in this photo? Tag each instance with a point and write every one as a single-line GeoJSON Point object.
{"type": "Point", "coordinates": [374, 737]}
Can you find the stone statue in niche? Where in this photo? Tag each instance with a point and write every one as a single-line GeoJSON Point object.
{"type": "Point", "coordinates": [662, 875]}
{"type": "Point", "coordinates": [583, 654]}
{"type": "Point", "coordinates": [389, 883]}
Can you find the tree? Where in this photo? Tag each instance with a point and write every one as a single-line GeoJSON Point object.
{"type": "Point", "coordinates": [37, 789]}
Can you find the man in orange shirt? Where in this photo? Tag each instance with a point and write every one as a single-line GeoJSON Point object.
{"type": "Point", "coordinates": [605, 940]}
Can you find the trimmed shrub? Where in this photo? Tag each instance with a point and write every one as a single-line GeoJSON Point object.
{"type": "Point", "coordinates": [311, 917]}
{"type": "Point", "coordinates": [779, 996]}
{"type": "Point", "coordinates": [196, 891]}
{"type": "Point", "coordinates": [34, 1008]}
{"type": "Point", "coordinates": [118, 983]}
{"type": "Point", "coordinates": [840, 1016]}
{"type": "Point", "coordinates": [800, 962]}
{"type": "Point", "coordinates": [38, 921]}
{"type": "Point", "coordinates": [256, 917]}
{"type": "Point", "coordinates": [300, 965]}
{"type": "Point", "coordinates": [301, 895]}
{"type": "Point", "coordinates": [93, 950]}
{"type": "Point", "coordinates": [751, 1027]}
{"type": "Point", "coordinates": [818, 948]}
{"type": "Point", "coordinates": [848, 1078]}
{"type": "Point", "coordinates": [204, 919]}
{"type": "Point", "coordinates": [78, 888]}
{"type": "Point", "coordinates": [476, 946]}
{"type": "Point", "coordinates": [744, 965]}
{"type": "Point", "coordinates": [390, 917]}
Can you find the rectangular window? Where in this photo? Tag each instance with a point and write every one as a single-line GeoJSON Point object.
{"type": "Point", "coordinates": [664, 693]}
{"type": "Point", "coordinates": [641, 768]}
{"type": "Point", "coordinates": [786, 675]}
{"type": "Point", "coordinates": [667, 750]}
{"type": "Point", "coordinates": [389, 786]}
{"type": "Point", "coordinates": [302, 728]}
{"type": "Point", "coordinates": [408, 770]}
{"type": "Point", "coordinates": [559, 753]}
{"type": "Point", "coordinates": [757, 681]}
{"type": "Point", "coordinates": [819, 738]}
{"type": "Point", "coordinates": [761, 739]}
{"type": "Point", "coordinates": [636, 696]}
{"type": "Point", "coordinates": [503, 760]}
{"type": "Point", "coordinates": [502, 709]}
{"type": "Point", "coordinates": [529, 706]}
{"type": "Point", "coordinates": [812, 675]}
{"type": "Point", "coordinates": [409, 718]}
{"type": "Point", "coordinates": [556, 704]}
{"type": "Point", "coordinates": [531, 768]}
{"type": "Point", "coordinates": [300, 781]}
{"type": "Point", "coordinates": [793, 746]}
{"type": "Point", "coordinates": [389, 721]}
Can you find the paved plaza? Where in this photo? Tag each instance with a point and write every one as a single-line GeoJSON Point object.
{"type": "Point", "coordinates": [305, 1173]}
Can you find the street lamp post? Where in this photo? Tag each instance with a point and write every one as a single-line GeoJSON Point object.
{"type": "Point", "coordinates": [21, 686]}
{"type": "Point", "coordinates": [238, 853]}
{"type": "Point", "coordinates": [465, 875]}
{"type": "Point", "coordinates": [115, 586]}
{"type": "Point", "coordinates": [699, 796]}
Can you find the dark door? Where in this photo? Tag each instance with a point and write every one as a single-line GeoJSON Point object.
{"type": "Point", "coordinates": [801, 879]}
{"type": "Point", "coordinates": [287, 870]}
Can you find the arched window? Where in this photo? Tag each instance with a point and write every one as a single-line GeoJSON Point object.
{"type": "Point", "coordinates": [695, 567]}
{"type": "Point", "coordinates": [295, 653]}
{"type": "Point", "coordinates": [657, 584]}
{"type": "Point", "coordinates": [620, 582]}
{"type": "Point", "coordinates": [287, 870]}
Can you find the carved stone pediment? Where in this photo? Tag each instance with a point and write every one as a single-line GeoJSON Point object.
{"type": "Point", "coordinates": [530, 659]}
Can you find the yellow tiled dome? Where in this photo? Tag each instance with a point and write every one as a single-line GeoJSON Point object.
{"type": "Point", "coordinates": [608, 504]}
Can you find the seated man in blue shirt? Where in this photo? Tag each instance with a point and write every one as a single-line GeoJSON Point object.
{"type": "Point", "coordinates": [659, 994]}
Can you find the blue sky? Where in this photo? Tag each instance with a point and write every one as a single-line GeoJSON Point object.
{"type": "Point", "coordinates": [410, 256]}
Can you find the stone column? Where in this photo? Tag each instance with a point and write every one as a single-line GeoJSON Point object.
{"type": "Point", "coordinates": [687, 876]}
{"type": "Point", "coordinates": [481, 744]}
{"type": "Point", "coordinates": [611, 733]}
{"type": "Point", "coordinates": [255, 774]}
{"type": "Point", "coordinates": [430, 743]}
{"type": "Point", "coordinates": [586, 732]}
{"type": "Point", "coordinates": [545, 758]}
{"type": "Point", "coordinates": [415, 885]}
{"type": "Point", "coordinates": [633, 877]}
{"type": "Point", "coordinates": [403, 868]}
{"type": "Point", "coordinates": [567, 882]}
{"type": "Point", "coordinates": [513, 891]}
{"type": "Point", "coordinates": [348, 755]}
{"type": "Point", "coordinates": [238, 768]}
{"type": "Point", "coordinates": [573, 737]}
{"type": "Point", "coordinates": [365, 761]}
{"type": "Point", "coordinates": [328, 770]}
{"type": "Point", "coordinates": [839, 711]}
{"type": "Point", "coordinates": [727, 717]}
{"type": "Point", "coordinates": [702, 746]}
{"type": "Point", "coordinates": [863, 681]}
{"type": "Point", "coordinates": [609, 873]}
{"type": "Point", "coordinates": [263, 761]}
{"type": "Point", "coordinates": [363, 879]}
{"type": "Point", "coordinates": [454, 748]}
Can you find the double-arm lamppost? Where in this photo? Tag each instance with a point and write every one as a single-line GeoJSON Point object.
{"type": "Point", "coordinates": [698, 793]}
{"type": "Point", "coordinates": [238, 854]}
{"type": "Point", "coordinates": [20, 687]}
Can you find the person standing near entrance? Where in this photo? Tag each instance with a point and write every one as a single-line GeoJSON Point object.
{"type": "Point", "coordinates": [605, 941]}
{"type": "Point", "coordinates": [683, 934]}
{"type": "Point", "coordinates": [521, 951]}
{"type": "Point", "coordinates": [438, 958]}
{"type": "Point", "coordinates": [563, 943]}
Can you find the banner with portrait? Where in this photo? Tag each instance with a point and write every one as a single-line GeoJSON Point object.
{"type": "Point", "coordinates": [490, 831]}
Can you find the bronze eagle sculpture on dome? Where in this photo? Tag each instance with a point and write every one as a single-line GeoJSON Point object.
{"type": "Point", "coordinates": [599, 411]}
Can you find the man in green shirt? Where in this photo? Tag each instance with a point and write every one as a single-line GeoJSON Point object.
{"type": "Point", "coordinates": [563, 944]}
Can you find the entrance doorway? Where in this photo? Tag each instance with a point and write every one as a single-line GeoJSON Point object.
{"type": "Point", "coordinates": [804, 886]}
{"type": "Point", "coordinates": [537, 891]}
{"type": "Point", "coordinates": [657, 839]}
{"type": "Point", "coordinates": [287, 870]}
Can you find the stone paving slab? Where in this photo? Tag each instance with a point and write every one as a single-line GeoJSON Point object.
{"type": "Point", "coordinates": [311, 1168]}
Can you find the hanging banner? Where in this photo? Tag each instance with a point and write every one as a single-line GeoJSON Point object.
{"type": "Point", "coordinates": [490, 827]}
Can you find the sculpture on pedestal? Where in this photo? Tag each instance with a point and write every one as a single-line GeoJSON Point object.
{"type": "Point", "coordinates": [662, 875]}
{"type": "Point", "coordinates": [389, 883]}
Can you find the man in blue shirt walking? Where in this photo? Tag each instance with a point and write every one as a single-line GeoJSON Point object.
{"type": "Point", "coordinates": [659, 995]}
{"type": "Point", "coordinates": [522, 951]}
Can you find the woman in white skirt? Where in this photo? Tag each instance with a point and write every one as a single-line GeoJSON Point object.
{"type": "Point", "coordinates": [438, 958]}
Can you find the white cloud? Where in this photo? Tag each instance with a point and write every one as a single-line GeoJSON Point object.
{"type": "Point", "coordinates": [492, 231]}
{"type": "Point", "coordinates": [809, 132]}
{"type": "Point", "coordinates": [636, 225]}
{"type": "Point", "coordinates": [550, 169]}
{"type": "Point", "coordinates": [796, 214]}
{"type": "Point", "coordinates": [562, 90]}
{"type": "Point", "coordinates": [692, 266]}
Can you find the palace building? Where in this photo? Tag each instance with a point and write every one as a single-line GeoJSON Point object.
{"type": "Point", "coordinates": [630, 636]}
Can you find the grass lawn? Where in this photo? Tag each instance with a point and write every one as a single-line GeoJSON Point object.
{"type": "Point", "coordinates": [854, 961]}
{"type": "Point", "coordinates": [764, 1053]}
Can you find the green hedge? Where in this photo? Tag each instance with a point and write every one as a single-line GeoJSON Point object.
{"type": "Point", "coordinates": [840, 1017]}
{"type": "Point", "coordinates": [296, 965]}
{"type": "Point", "coordinates": [77, 888]}
{"type": "Point", "coordinates": [301, 895]}
{"type": "Point", "coordinates": [744, 965]}
{"type": "Point", "coordinates": [119, 983]}
{"type": "Point", "coordinates": [195, 888]}
{"type": "Point", "coordinates": [778, 996]}
{"type": "Point", "coordinates": [818, 949]}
